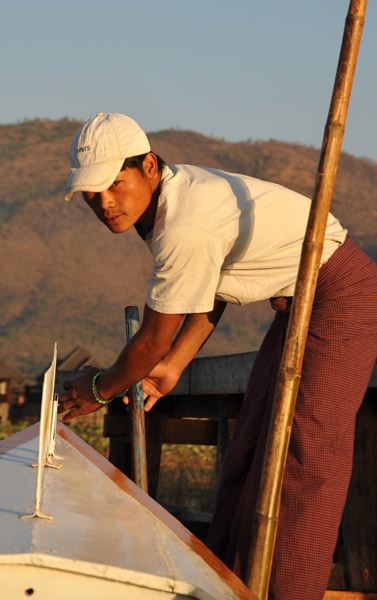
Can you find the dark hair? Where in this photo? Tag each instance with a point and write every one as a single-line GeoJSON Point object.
{"type": "Point", "coordinates": [136, 162]}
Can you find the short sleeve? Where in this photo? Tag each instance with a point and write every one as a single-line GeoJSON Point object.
{"type": "Point", "coordinates": [187, 265]}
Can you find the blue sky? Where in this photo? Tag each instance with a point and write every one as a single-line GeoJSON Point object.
{"type": "Point", "coordinates": [235, 70]}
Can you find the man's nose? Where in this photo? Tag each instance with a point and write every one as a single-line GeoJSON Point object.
{"type": "Point", "coordinates": [106, 199]}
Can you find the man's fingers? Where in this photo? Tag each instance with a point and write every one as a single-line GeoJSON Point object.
{"type": "Point", "coordinates": [75, 412]}
{"type": "Point", "coordinates": [149, 389]}
{"type": "Point", "coordinates": [66, 405]}
{"type": "Point", "coordinates": [64, 398]}
{"type": "Point", "coordinates": [151, 401]}
{"type": "Point", "coordinates": [146, 385]}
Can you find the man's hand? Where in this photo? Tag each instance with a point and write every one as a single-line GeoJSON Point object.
{"type": "Point", "coordinates": [79, 399]}
{"type": "Point", "coordinates": [149, 356]}
{"type": "Point", "coordinates": [164, 376]}
{"type": "Point", "coordinates": [142, 353]}
{"type": "Point", "coordinates": [159, 382]}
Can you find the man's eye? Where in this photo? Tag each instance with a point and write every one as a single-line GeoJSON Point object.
{"type": "Point", "coordinates": [115, 183]}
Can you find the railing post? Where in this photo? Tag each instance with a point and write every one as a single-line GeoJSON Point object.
{"type": "Point", "coordinates": [137, 418]}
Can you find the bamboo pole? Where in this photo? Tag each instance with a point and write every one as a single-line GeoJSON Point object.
{"type": "Point", "coordinates": [267, 509]}
{"type": "Point", "coordinates": [137, 418]}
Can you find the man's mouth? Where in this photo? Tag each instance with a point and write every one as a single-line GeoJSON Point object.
{"type": "Point", "coordinates": [112, 219]}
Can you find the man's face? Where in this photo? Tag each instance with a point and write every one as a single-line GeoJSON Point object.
{"type": "Point", "coordinates": [132, 197]}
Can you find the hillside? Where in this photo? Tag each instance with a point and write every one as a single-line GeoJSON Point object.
{"type": "Point", "coordinates": [66, 278]}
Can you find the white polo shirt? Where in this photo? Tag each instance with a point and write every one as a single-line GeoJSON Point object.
{"type": "Point", "coordinates": [226, 236]}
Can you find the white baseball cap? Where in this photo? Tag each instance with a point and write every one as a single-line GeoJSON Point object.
{"type": "Point", "coordinates": [99, 150]}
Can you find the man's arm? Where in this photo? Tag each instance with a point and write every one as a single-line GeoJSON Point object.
{"type": "Point", "coordinates": [147, 347]}
{"type": "Point", "coordinates": [195, 330]}
{"type": "Point", "coordinates": [149, 352]}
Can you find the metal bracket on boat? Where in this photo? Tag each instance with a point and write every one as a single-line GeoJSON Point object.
{"type": "Point", "coordinates": [47, 433]}
{"type": "Point", "coordinates": [51, 447]}
{"type": "Point", "coordinates": [51, 443]}
{"type": "Point", "coordinates": [37, 513]}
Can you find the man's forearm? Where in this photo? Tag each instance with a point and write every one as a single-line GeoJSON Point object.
{"type": "Point", "coordinates": [194, 332]}
{"type": "Point", "coordinates": [138, 358]}
{"type": "Point", "coordinates": [132, 364]}
{"type": "Point", "coordinates": [149, 345]}
{"type": "Point", "coordinates": [150, 349]}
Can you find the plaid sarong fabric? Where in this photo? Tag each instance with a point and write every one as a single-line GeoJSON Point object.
{"type": "Point", "coordinates": [340, 353]}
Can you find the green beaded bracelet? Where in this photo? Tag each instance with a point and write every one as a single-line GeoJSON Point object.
{"type": "Point", "coordinates": [95, 391]}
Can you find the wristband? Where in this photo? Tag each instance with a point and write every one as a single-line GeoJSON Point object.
{"type": "Point", "coordinates": [95, 391]}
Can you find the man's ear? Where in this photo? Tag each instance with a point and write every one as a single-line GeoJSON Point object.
{"type": "Point", "coordinates": [150, 165]}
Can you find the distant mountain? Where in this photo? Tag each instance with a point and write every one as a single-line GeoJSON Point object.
{"type": "Point", "coordinates": [64, 277]}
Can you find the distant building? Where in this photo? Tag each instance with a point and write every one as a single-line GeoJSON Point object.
{"type": "Point", "coordinates": [76, 360]}
{"type": "Point", "coordinates": [11, 389]}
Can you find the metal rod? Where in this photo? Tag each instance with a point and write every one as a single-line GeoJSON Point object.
{"type": "Point", "coordinates": [137, 419]}
{"type": "Point", "coordinates": [267, 510]}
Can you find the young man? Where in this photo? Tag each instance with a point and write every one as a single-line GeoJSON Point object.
{"type": "Point", "coordinates": [218, 237]}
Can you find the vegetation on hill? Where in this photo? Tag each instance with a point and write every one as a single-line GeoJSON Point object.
{"type": "Point", "coordinates": [64, 277]}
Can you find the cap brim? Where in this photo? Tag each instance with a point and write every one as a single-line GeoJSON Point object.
{"type": "Point", "coordinates": [92, 178]}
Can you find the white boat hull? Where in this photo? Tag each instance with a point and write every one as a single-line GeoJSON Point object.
{"type": "Point", "coordinates": [107, 539]}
